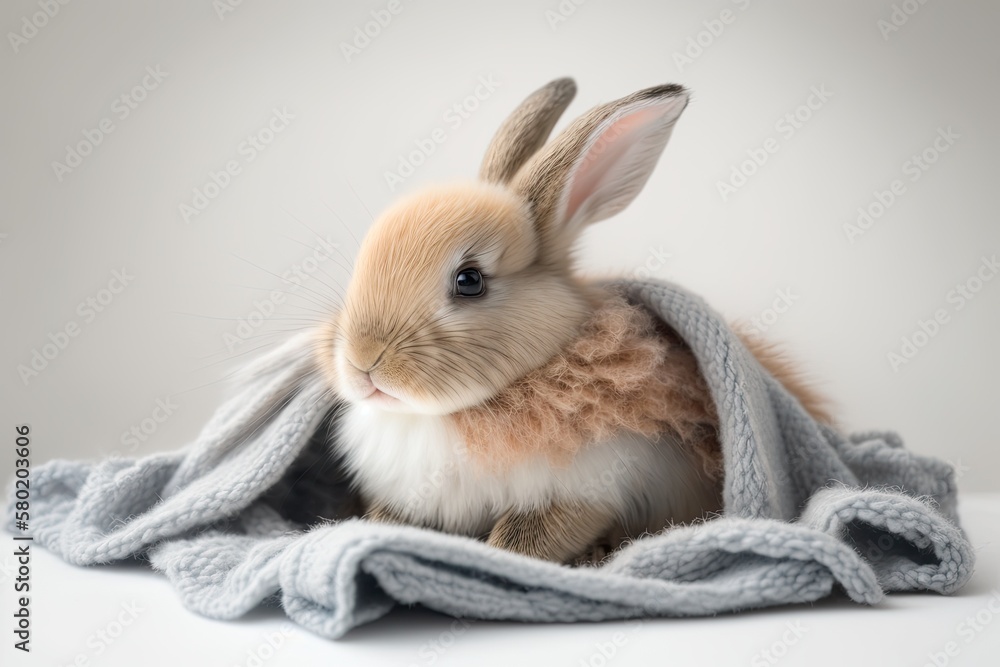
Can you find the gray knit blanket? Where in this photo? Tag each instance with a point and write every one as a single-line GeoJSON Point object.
{"type": "Point", "coordinates": [258, 511]}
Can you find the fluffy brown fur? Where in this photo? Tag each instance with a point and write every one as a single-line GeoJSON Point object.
{"type": "Point", "coordinates": [625, 371]}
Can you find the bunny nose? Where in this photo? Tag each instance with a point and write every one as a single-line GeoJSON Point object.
{"type": "Point", "coordinates": [366, 360]}
{"type": "Point", "coordinates": [378, 360]}
{"type": "Point", "coordinates": [365, 370]}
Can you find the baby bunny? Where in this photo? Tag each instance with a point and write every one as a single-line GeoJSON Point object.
{"type": "Point", "coordinates": [487, 389]}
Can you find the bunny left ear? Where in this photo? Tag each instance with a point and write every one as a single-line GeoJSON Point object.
{"type": "Point", "coordinates": [599, 164]}
{"type": "Point", "coordinates": [525, 130]}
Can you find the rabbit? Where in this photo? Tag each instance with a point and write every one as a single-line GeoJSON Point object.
{"type": "Point", "coordinates": [486, 389]}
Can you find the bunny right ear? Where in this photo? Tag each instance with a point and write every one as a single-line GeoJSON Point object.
{"type": "Point", "coordinates": [526, 130]}
{"type": "Point", "coordinates": [599, 164]}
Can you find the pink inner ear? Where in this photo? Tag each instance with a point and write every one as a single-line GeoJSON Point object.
{"type": "Point", "coordinates": [605, 153]}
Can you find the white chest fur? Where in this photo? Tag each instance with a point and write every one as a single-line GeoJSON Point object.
{"type": "Point", "coordinates": [419, 467]}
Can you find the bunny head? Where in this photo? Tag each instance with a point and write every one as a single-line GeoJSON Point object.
{"type": "Point", "coordinates": [459, 290]}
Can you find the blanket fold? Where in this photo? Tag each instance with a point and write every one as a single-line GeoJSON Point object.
{"type": "Point", "coordinates": [257, 509]}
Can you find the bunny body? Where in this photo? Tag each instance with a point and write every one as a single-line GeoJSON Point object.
{"type": "Point", "coordinates": [586, 429]}
{"type": "Point", "coordinates": [489, 390]}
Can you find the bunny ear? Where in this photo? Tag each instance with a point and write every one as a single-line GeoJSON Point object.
{"type": "Point", "coordinates": [598, 165]}
{"type": "Point", "coordinates": [526, 130]}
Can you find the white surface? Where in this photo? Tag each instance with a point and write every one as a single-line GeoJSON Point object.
{"type": "Point", "coordinates": [70, 605]}
{"type": "Point", "coordinates": [163, 336]}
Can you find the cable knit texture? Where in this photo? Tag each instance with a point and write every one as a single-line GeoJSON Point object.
{"type": "Point", "coordinates": [255, 509]}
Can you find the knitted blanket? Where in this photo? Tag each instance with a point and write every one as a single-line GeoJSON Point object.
{"type": "Point", "coordinates": [258, 511]}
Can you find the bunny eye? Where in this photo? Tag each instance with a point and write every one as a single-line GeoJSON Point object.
{"type": "Point", "coordinates": [469, 282]}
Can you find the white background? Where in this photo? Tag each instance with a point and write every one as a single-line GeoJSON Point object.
{"type": "Point", "coordinates": [164, 336]}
